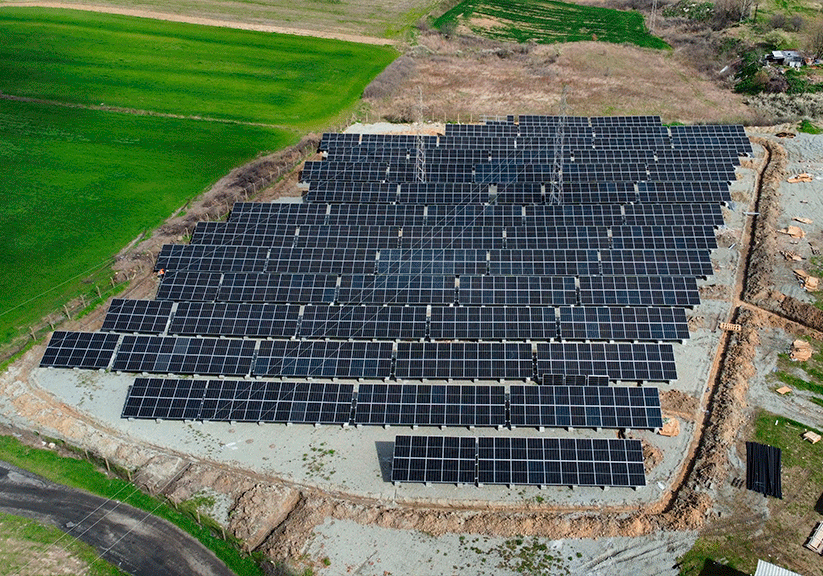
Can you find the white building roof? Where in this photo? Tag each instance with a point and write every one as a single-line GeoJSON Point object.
{"type": "Point", "coordinates": [766, 569]}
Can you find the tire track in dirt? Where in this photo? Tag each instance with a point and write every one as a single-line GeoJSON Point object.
{"type": "Point", "coordinates": [136, 111]}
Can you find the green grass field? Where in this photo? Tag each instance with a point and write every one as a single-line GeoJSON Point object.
{"type": "Point", "coordinates": [79, 184]}
{"type": "Point", "coordinates": [27, 547]}
{"type": "Point", "coordinates": [548, 21]}
{"type": "Point", "coordinates": [87, 58]}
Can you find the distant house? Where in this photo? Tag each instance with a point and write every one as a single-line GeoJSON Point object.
{"type": "Point", "coordinates": [791, 58]}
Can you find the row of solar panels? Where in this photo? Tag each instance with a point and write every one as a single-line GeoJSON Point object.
{"type": "Point", "coordinates": [646, 157]}
{"type": "Point", "coordinates": [543, 262]}
{"type": "Point", "coordinates": [267, 320]}
{"type": "Point", "coordinates": [347, 359]}
{"type": "Point", "coordinates": [251, 287]}
{"type": "Point", "coordinates": [531, 461]}
{"type": "Point", "coordinates": [494, 173]}
{"type": "Point", "coordinates": [464, 215]}
{"type": "Point", "coordinates": [394, 404]}
{"type": "Point", "coordinates": [477, 237]}
{"type": "Point", "coordinates": [543, 136]}
{"type": "Point", "coordinates": [332, 195]}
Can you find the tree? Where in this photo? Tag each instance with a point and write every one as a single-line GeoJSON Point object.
{"type": "Point", "coordinates": [814, 38]}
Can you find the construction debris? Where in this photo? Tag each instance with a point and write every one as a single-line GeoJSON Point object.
{"type": "Point", "coordinates": [815, 542]}
{"type": "Point", "coordinates": [730, 327]}
{"type": "Point", "coordinates": [671, 426]}
{"type": "Point", "coordinates": [791, 256]}
{"type": "Point", "coordinates": [793, 231]}
{"type": "Point", "coordinates": [803, 177]}
{"type": "Point", "coordinates": [809, 282]}
{"type": "Point", "coordinates": [812, 437]}
{"type": "Point", "coordinates": [783, 390]}
{"type": "Point", "coordinates": [803, 220]}
{"type": "Point", "coordinates": [801, 350]}
{"type": "Point", "coordinates": [785, 134]}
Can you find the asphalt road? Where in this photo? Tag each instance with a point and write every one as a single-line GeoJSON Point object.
{"type": "Point", "coordinates": [135, 541]}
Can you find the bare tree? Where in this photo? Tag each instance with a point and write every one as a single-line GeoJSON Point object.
{"type": "Point", "coordinates": [727, 12]}
{"type": "Point", "coordinates": [814, 38]}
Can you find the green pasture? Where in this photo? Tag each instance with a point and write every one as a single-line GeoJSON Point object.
{"type": "Point", "coordinates": [79, 184]}
{"type": "Point", "coordinates": [548, 21]}
{"type": "Point", "coordinates": [87, 58]}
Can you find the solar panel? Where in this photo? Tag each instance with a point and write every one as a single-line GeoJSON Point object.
{"type": "Point", "coordinates": [211, 258]}
{"type": "Point", "coordinates": [164, 399]}
{"type": "Point", "coordinates": [185, 285]}
{"type": "Point", "coordinates": [239, 401]}
{"type": "Point", "coordinates": [288, 402]}
{"type": "Point", "coordinates": [560, 461]}
{"type": "Point", "coordinates": [639, 291]}
{"type": "Point", "coordinates": [437, 262]}
{"type": "Point", "coordinates": [361, 237]}
{"type": "Point", "coordinates": [312, 358]}
{"type": "Point", "coordinates": [585, 407]}
{"type": "Point", "coordinates": [493, 323]}
{"type": "Point", "coordinates": [256, 320]}
{"type": "Point", "coordinates": [695, 263]}
{"type": "Point", "coordinates": [145, 316]}
{"type": "Point", "coordinates": [333, 192]}
{"type": "Point", "coordinates": [90, 350]}
{"type": "Point", "coordinates": [436, 459]}
{"type": "Point", "coordinates": [430, 405]}
{"type": "Point", "coordinates": [397, 289]}
{"type": "Point", "coordinates": [478, 360]}
{"type": "Point", "coordinates": [517, 290]}
{"type": "Point", "coordinates": [291, 288]}
{"type": "Point", "coordinates": [623, 324]}
{"type": "Point", "coordinates": [620, 361]}
{"type": "Point", "coordinates": [574, 380]}
{"type": "Point", "coordinates": [321, 261]}
{"type": "Point", "coordinates": [243, 234]}
{"type": "Point", "coordinates": [181, 355]}
{"type": "Point", "coordinates": [364, 322]}
{"type": "Point", "coordinates": [543, 262]}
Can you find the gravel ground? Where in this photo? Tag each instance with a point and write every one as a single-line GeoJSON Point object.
{"type": "Point", "coordinates": [805, 154]}
{"type": "Point", "coordinates": [375, 551]}
{"type": "Point", "coordinates": [801, 199]}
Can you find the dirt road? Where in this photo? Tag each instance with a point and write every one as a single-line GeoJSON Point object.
{"type": "Point", "coordinates": [206, 21]}
{"type": "Point", "coordinates": [133, 540]}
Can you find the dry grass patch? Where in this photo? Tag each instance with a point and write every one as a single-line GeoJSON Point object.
{"type": "Point", "coordinates": [464, 78]}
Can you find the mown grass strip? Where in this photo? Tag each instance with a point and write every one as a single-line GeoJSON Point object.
{"type": "Point", "coordinates": [24, 542]}
{"type": "Point", "coordinates": [549, 21]}
{"type": "Point", "coordinates": [85, 476]}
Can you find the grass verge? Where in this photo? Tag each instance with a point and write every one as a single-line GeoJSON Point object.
{"type": "Point", "coordinates": [29, 547]}
{"type": "Point", "coordinates": [85, 476]}
{"type": "Point", "coordinates": [733, 545]}
{"type": "Point", "coordinates": [549, 21]}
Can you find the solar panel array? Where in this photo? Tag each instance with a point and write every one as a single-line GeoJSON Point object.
{"type": "Point", "coordinates": [387, 404]}
{"type": "Point", "coordinates": [535, 461]}
{"type": "Point", "coordinates": [477, 271]}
